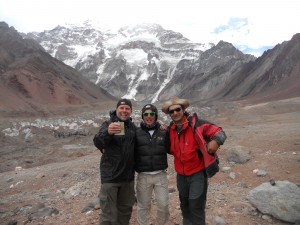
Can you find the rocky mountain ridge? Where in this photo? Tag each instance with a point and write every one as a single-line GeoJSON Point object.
{"type": "Point", "coordinates": [143, 62]}
{"type": "Point", "coordinates": [32, 82]}
{"type": "Point", "coordinates": [148, 63]}
{"type": "Point", "coordinates": [274, 75]}
{"type": "Point", "coordinates": [128, 64]}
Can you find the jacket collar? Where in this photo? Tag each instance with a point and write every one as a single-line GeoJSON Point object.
{"type": "Point", "coordinates": [185, 124]}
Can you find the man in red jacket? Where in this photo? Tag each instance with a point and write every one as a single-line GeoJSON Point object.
{"type": "Point", "coordinates": [193, 143]}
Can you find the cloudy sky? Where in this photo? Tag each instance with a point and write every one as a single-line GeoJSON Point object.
{"type": "Point", "coordinates": [250, 25]}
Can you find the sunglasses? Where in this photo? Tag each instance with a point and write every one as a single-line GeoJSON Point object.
{"type": "Point", "coordinates": [173, 110]}
{"type": "Point", "coordinates": [150, 113]}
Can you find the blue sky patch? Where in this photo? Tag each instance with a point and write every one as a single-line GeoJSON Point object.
{"type": "Point", "coordinates": [233, 24]}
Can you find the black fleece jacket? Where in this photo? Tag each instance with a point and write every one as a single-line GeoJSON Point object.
{"type": "Point", "coordinates": [117, 161]}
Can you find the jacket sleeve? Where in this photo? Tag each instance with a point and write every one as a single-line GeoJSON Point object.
{"type": "Point", "coordinates": [220, 137]}
{"type": "Point", "coordinates": [212, 132]}
{"type": "Point", "coordinates": [102, 138]}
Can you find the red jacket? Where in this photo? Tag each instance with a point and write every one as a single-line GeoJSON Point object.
{"type": "Point", "coordinates": [189, 147]}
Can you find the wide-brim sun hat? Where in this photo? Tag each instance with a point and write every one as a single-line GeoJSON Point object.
{"type": "Point", "coordinates": [174, 101]}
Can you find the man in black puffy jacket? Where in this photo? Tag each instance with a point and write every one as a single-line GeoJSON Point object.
{"type": "Point", "coordinates": [151, 164]}
{"type": "Point", "coordinates": [117, 166]}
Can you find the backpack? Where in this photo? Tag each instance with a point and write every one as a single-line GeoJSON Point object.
{"type": "Point", "coordinates": [211, 161]}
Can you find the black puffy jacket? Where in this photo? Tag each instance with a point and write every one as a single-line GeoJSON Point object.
{"type": "Point", "coordinates": [150, 151]}
{"type": "Point", "coordinates": [117, 161]}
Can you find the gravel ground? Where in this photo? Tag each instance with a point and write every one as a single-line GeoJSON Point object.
{"type": "Point", "coordinates": [53, 179]}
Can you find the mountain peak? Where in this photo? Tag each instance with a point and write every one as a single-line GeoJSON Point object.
{"type": "Point", "coordinates": [31, 79]}
{"type": "Point", "coordinates": [146, 62]}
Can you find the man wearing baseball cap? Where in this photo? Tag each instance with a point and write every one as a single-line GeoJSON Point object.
{"type": "Point", "coordinates": [151, 164]}
{"type": "Point", "coordinates": [117, 194]}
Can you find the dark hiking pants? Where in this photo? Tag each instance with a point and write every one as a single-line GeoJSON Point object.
{"type": "Point", "coordinates": [192, 194]}
{"type": "Point", "coordinates": [116, 202]}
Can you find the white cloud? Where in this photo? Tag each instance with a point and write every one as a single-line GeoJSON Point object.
{"type": "Point", "coordinates": [250, 23]}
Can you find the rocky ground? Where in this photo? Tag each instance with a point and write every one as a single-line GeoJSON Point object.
{"type": "Point", "coordinates": [50, 168]}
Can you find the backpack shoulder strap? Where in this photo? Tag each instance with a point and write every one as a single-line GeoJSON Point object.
{"type": "Point", "coordinates": [193, 121]}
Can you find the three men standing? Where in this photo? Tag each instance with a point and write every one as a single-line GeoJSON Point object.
{"type": "Point", "coordinates": [191, 140]}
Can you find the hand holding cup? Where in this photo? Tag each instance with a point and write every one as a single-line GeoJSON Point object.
{"type": "Point", "coordinates": [116, 128]}
{"type": "Point", "coordinates": [122, 132]}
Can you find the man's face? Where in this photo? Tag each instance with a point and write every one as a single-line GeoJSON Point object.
{"type": "Point", "coordinates": [176, 113]}
{"type": "Point", "coordinates": [149, 117]}
{"type": "Point", "coordinates": [123, 112]}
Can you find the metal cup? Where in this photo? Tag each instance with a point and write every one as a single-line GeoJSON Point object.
{"type": "Point", "coordinates": [122, 129]}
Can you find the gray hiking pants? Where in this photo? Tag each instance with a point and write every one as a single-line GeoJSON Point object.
{"type": "Point", "coordinates": [116, 202]}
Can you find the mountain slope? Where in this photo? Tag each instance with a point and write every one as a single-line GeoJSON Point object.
{"type": "Point", "coordinates": [205, 77]}
{"type": "Point", "coordinates": [275, 75]}
{"type": "Point", "coordinates": [150, 64]}
{"type": "Point", "coordinates": [33, 82]}
{"type": "Point", "coordinates": [133, 62]}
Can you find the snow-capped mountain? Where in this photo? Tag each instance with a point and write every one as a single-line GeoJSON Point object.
{"type": "Point", "coordinates": [31, 79]}
{"type": "Point", "coordinates": [144, 62]}
{"type": "Point", "coordinates": [32, 82]}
